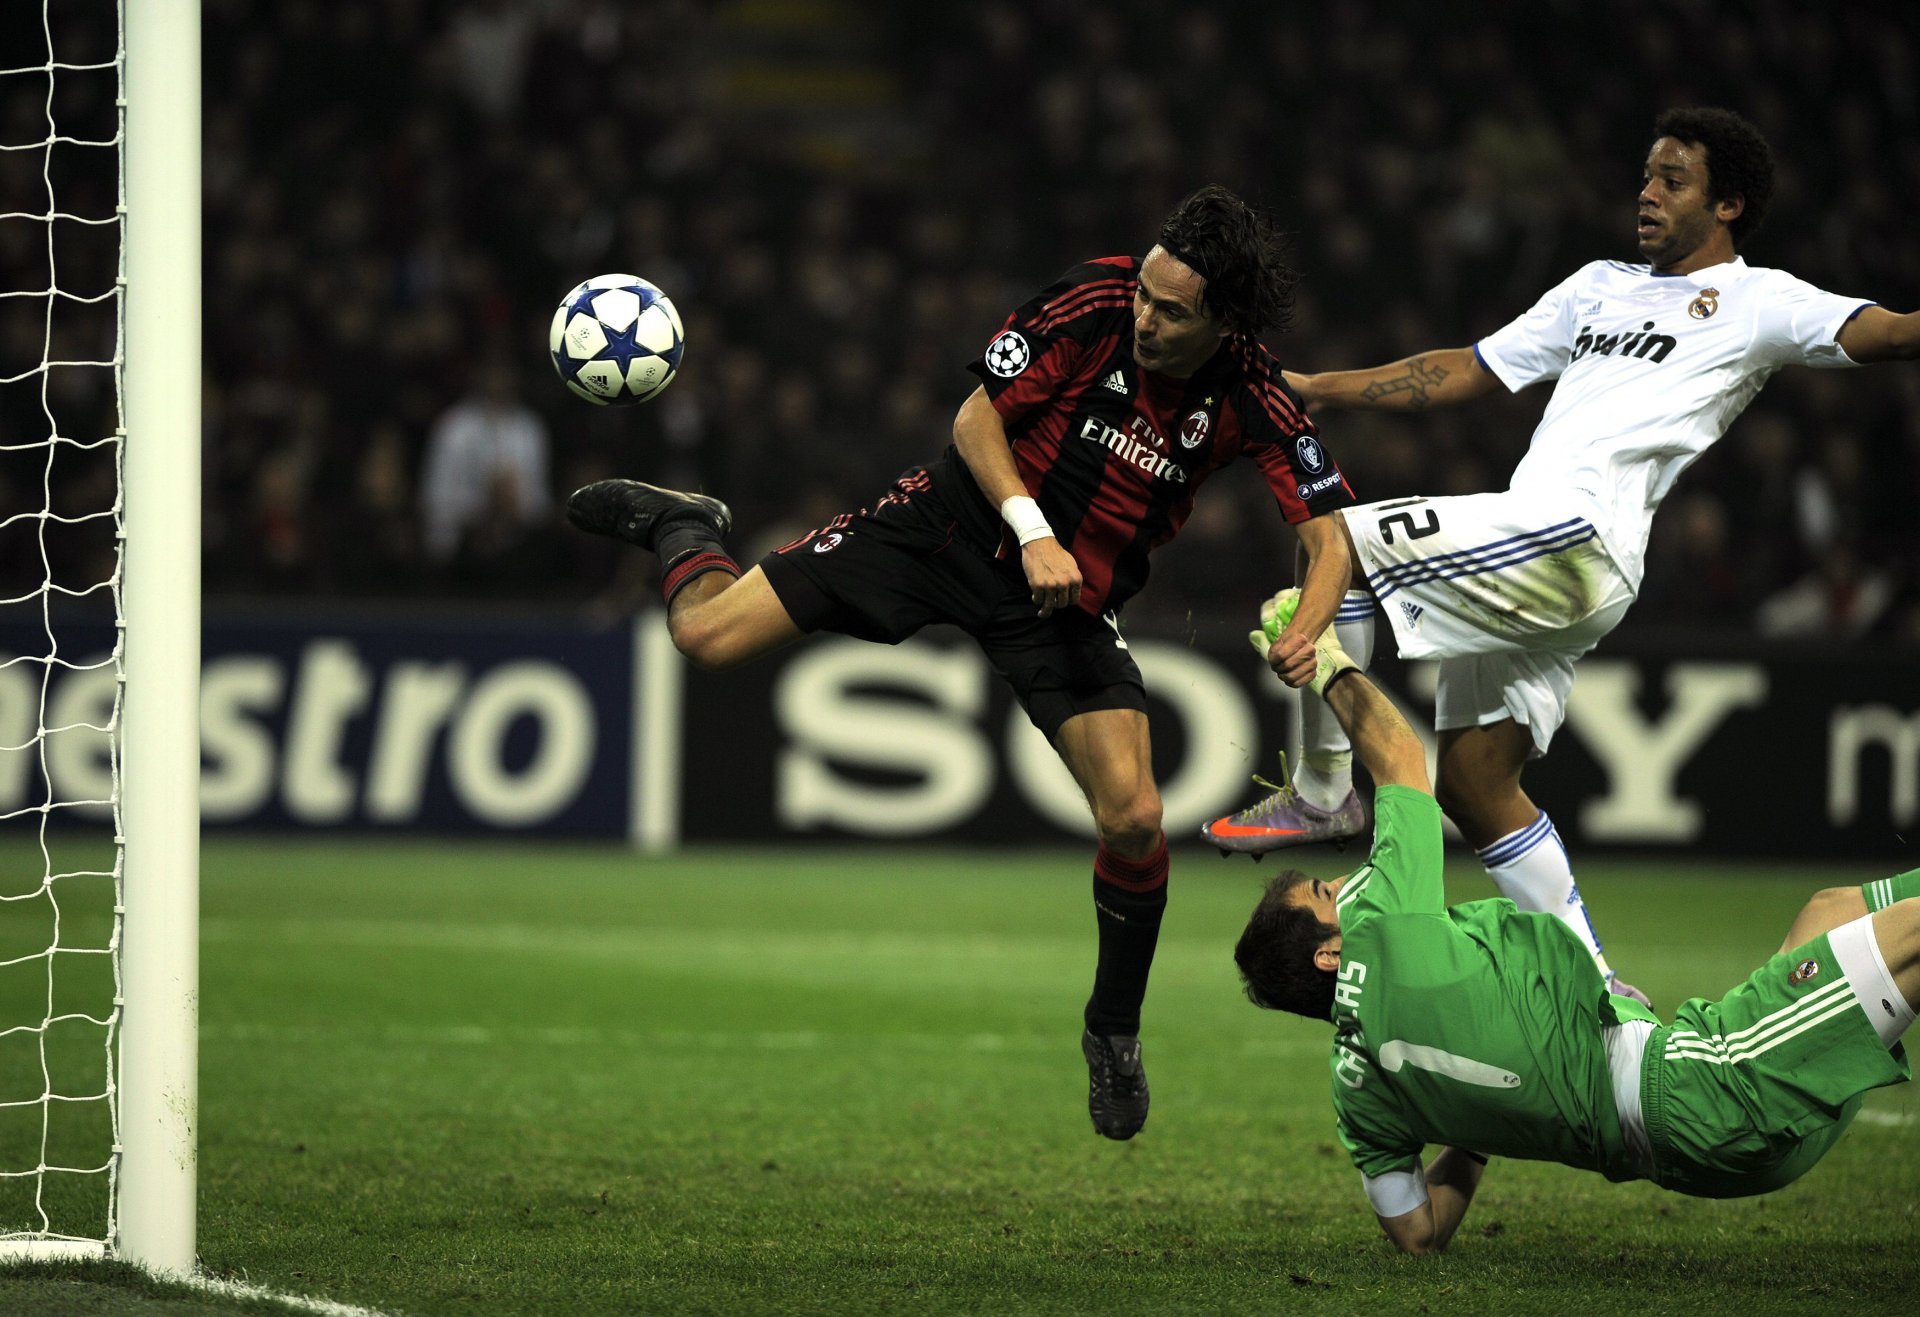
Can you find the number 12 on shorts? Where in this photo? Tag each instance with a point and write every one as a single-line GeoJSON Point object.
{"type": "Point", "coordinates": [1414, 530]}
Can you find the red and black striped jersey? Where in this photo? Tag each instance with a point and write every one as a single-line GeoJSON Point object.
{"type": "Point", "coordinates": [1114, 453]}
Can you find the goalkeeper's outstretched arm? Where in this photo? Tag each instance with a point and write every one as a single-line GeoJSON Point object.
{"type": "Point", "coordinates": [1382, 739]}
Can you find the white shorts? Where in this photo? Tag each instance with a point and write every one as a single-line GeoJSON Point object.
{"type": "Point", "coordinates": [1506, 590]}
{"type": "Point", "coordinates": [1531, 689]}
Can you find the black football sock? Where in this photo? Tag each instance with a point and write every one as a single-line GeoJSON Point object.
{"type": "Point", "coordinates": [684, 536]}
{"type": "Point", "coordinates": [1129, 897]}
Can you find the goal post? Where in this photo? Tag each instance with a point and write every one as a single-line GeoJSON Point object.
{"type": "Point", "coordinates": [159, 1036]}
{"type": "Point", "coordinates": [99, 998]}
{"type": "Point", "coordinates": [99, 1097]}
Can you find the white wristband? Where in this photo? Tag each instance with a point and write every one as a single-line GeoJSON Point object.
{"type": "Point", "coordinates": [1024, 516]}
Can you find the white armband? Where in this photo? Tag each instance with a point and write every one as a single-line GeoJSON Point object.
{"type": "Point", "coordinates": [1397, 1192]}
{"type": "Point", "coordinates": [1023, 515]}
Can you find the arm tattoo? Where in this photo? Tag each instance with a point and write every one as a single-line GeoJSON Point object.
{"type": "Point", "coordinates": [1414, 384]}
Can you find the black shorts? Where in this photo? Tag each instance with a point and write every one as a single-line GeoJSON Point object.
{"type": "Point", "coordinates": [884, 573]}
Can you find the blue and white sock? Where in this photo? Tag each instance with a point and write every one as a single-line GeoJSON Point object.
{"type": "Point", "coordinates": [1325, 774]}
{"type": "Point", "coordinates": [1531, 869]}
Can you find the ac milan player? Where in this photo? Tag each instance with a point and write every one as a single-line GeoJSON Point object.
{"type": "Point", "coordinates": [1104, 403]}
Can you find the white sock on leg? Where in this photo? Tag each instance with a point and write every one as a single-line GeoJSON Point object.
{"type": "Point", "coordinates": [1325, 774]}
{"type": "Point", "coordinates": [1531, 869]}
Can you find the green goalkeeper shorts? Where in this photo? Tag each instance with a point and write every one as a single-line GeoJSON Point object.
{"type": "Point", "coordinates": [1743, 1095]}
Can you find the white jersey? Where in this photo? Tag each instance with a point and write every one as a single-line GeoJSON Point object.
{"type": "Point", "coordinates": [1652, 369]}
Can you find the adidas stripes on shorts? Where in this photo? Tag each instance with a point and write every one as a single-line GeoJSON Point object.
{"type": "Point", "coordinates": [1743, 1095]}
{"type": "Point", "coordinates": [1505, 589]}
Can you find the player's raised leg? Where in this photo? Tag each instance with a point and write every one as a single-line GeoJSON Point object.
{"type": "Point", "coordinates": [1824, 911]}
{"type": "Point", "coordinates": [1831, 907]}
{"type": "Point", "coordinates": [1317, 803]}
{"type": "Point", "coordinates": [1896, 933]}
{"type": "Point", "coordinates": [718, 621]}
{"type": "Point", "coordinates": [1285, 817]}
{"type": "Point", "coordinates": [669, 522]}
{"type": "Point", "coordinates": [1108, 752]}
{"type": "Point", "coordinates": [1325, 776]}
{"type": "Point", "coordinates": [1478, 785]}
{"type": "Point", "coordinates": [718, 617]}
{"type": "Point", "coordinates": [1877, 950]}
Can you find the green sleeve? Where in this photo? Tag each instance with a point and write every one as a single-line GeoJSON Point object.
{"type": "Point", "coordinates": [1403, 874]}
{"type": "Point", "coordinates": [1372, 1132]}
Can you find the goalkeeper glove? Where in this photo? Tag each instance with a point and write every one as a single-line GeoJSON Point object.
{"type": "Point", "coordinates": [1331, 660]}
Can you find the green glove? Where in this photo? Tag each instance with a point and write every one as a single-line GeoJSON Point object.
{"type": "Point", "coordinates": [1275, 613]}
{"type": "Point", "coordinates": [1332, 660]}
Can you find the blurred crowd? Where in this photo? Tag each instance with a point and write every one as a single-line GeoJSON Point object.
{"type": "Point", "coordinates": [845, 201]}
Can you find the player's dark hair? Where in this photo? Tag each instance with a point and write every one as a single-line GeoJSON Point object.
{"type": "Point", "coordinates": [1275, 953]}
{"type": "Point", "coordinates": [1739, 161]}
{"type": "Point", "coordinates": [1241, 255]}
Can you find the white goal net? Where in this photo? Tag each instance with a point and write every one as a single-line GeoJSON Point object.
{"type": "Point", "coordinates": [61, 135]}
{"type": "Point", "coordinates": [84, 882]}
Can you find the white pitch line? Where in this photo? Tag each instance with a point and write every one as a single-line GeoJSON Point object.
{"type": "Point", "coordinates": [1886, 1118]}
{"type": "Point", "coordinates": [237, 1289]}
{"type": "Point", "coordinates": [690, 1040]}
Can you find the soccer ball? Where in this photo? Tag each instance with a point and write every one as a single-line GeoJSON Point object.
{"type": "Point", "coordinates": [616, 339]}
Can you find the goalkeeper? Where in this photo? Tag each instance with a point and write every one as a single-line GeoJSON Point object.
{"type": "Point", "coordinates": [1489, 1031]}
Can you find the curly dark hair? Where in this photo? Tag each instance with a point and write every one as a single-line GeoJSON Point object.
{"type": "Point", "coordinates": [1240, 253]}
{"type": "Point", "coordinates": [1739, 161]}
{"type": "Point", "coordinates": [1275, 953]}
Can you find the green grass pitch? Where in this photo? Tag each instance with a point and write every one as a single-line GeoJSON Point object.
{"type": "Point", "coordinates": [523, 1078]}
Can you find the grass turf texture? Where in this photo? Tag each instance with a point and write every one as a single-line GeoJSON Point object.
{"type": "Point", "coordinates": [515, 1078]}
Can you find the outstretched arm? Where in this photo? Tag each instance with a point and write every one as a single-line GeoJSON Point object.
{"type": "Point", "coordinates": [1412, 385]}
{"type": "Point", "coordinates": [1451, 1180]}
{"type": "Point", "coordinates": [1382, 739]}
{"type": "Point", "coordinates": [981, 440]}
{"type": "Point", "coordinates": [1877, 334]}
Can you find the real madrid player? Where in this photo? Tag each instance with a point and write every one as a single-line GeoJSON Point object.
{"type": "Point", "coordinates": [1104, 404]}
{"type": "Point", "coordinates": [1653, 363]}
{"type": "Point", "coordinates": [1489, 1031]}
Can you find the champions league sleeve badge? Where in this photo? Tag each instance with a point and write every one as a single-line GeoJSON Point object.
{"type": "Point", "coordinates": [1008, 355]}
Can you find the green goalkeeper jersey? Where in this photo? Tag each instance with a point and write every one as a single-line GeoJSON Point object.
{"type": "Point", "coordinates": [1477, 1026]}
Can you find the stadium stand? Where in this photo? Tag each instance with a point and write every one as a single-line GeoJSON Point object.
{"type": "Point", "coordinates": [844, 211]}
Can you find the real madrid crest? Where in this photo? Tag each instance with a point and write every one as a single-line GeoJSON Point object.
{"type": "Point", "coordinates": [1704, 305]}
{"type": "Point", "coordinates": [1806, 969]}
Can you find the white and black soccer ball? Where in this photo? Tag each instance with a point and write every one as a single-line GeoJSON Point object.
{"type": "Point", "coordinates": [616, 339]}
